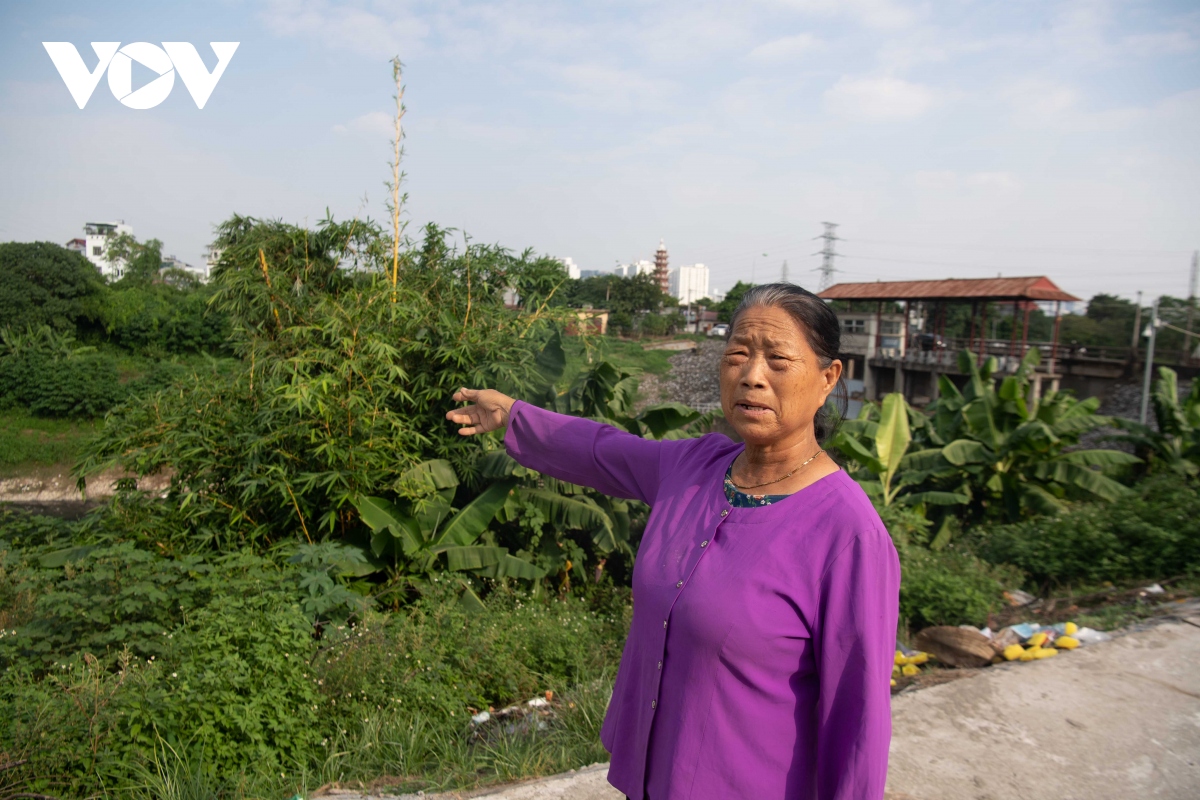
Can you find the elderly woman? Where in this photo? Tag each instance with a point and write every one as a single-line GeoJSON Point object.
{"type": "Point", "coordinates": [765, 588]}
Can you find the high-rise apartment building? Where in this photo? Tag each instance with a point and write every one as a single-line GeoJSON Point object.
{"type": "Point", "coordinates": [689, 283]}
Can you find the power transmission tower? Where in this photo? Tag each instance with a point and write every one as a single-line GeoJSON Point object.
{"type": "Point", "coordinates": [827, 254]}
{"type": "Point", "coordinates": [1187, 338]}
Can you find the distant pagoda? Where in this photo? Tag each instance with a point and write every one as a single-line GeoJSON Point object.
{"type": "Point", "coordinates": [660, 267]}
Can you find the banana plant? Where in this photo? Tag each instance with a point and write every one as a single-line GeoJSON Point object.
{"type": "Point", "coordinates": [984, 448]}
{"type": "Point", "coordinates": [1175, 445]}
{"type": "Point", "coordinates": [879, 446]}
{"type": "Point", "coordinates": [424, 533]}
{"type": "Point", "coordinates": [1014, 456]}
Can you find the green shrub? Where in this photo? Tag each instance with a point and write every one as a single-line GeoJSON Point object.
{"type": "Point", "coordinates": [103, 599]}
{"type": "Point", "coordinates": [1153, 534]}
{"type": "Point", "coordinates": [941, 587]}
{"type": "Point", "coordinates": [84, 386]}
{"type": "Point", "coordinates": [234, 682]}
{"type": "Point", "coordinates": [440, 659]}
{"type": "Point", "coordinates": [233, 687]}
{"type": "Point", "coordinates": [949, 587]}
{"type": "Point", "coordinates": [45, 284]}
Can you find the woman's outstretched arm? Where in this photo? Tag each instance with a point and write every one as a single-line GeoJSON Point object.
{"type": "Point", "coordinates": [572, 449]}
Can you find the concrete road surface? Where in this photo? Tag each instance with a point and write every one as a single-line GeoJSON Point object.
{"type": "Point", "coordinates": [1113, 721]}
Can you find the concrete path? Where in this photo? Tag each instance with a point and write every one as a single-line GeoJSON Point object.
{"type": "Point", "coordinates": [1113, 721]}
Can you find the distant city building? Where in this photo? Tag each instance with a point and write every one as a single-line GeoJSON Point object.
{"type": "Point", "coordinates": [211, 256]}
{"type": "Point", "coordinates": [660, 267]}
{"type": "Point", "coordinates": [591, 273]}
{"type": "Point", "coordinates": [573, 271]}
{"type": "Point", "coordinates": [94, 246]}
{"type": "Point", "coordinates": [642, 267]}
{"type": "Point", "coordinates": [171, 262]}
{"type": "Point", "coordinates": [689, 283]}
{"type": "Point", "coordinates": [716, 295]}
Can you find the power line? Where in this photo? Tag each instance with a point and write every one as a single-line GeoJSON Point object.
{"type": "Point", "coordinates": [827, 254]}
{"type": "Point", "coordinates": [987, 248]}
{"type": "Point", "coordinates": [1009, 268]}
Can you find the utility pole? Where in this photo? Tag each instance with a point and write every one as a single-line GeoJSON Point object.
{"type": "Point", "coordinates": [783, 279]}
{"type": "Point", "coordinates": [1152, 333]}
{"type": "Point", "coordinates": [827, 254]}
{"type": "Point", "coordinates": [1137, 325]}
{"type": "Point", "coordinates": [1191, 315]}
{"type": "Point", "coordinates": [754, 268]}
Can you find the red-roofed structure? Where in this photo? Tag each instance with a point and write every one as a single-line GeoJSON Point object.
{"type": "Point", "coordinates": [1037, 288]}
{"type": "Point", "coordinates": [929, 299]}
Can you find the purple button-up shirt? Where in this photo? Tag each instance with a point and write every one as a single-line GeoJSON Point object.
{"type": "Point", "coordinates": [759, 659]}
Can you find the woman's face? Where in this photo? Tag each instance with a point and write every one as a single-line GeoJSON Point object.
{"type": "Point", "coordinates": [772, 382]}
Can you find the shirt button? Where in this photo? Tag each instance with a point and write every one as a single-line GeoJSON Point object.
{"type": "Point", "coordinates": [654, 704]}
{"type": "Point", "coordinates": [664, 624]}
{"type": "Point", "coordinates": [660, 665]}
{"type": "Point", "coordinates": [678, 585]}
{"type": "Point", "coordinates": [724, 512]}
{"type": "Point", "coordinates": [704, 543]}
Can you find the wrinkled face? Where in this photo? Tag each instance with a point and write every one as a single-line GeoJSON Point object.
{"type": "Point", "coordinates": [772, 382]}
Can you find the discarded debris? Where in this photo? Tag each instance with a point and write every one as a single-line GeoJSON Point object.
{"type": "Point", "coordinates": [1016, 597]}
{"type": "Point", "coordinates": [957, 647]}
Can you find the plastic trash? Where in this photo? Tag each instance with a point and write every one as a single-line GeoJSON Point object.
{"type": "Point", "coordinates": [481, 717]}
{"type": "Point", "coordinates": [1024, 629]}
{"type": "Point", "coordinates": [1013, 652]}
{"type": "Point", "coordinates": [1016, 597]}
{"type": "Point", "coordinates": [538, 702]}
{"type": "Point", "coordinates": [1086, 636]}
{"type": "Point", "coordinates": [1153, 588]}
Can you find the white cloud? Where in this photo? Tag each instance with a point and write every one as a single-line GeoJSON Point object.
{"type": "Point", "coordinates": [786, 47]}
{"type": "Point", "coordinates": [347, 28]}
{"type": "Point", "coordinates": [879, 99]}
{"type": "Point", "coordinates": [871, 13]}
{"type": "Point", "coordinates": [374, 123]}
{"type": "Point", "coordinates": [1156, 44]}
{"type": "Point", "coordinates": [1037, 99]}
{"type": "Point", "coordinates": [602, 88]}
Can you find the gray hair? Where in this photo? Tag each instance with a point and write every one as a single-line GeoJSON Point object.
{"type": "Point", "coordinates": [821, 330]}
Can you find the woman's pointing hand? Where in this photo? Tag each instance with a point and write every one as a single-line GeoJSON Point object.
{"type": "Point", "coordinates": [488, 411]}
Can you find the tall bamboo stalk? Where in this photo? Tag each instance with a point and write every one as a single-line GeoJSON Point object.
{"type": "Point", "coordinates": [397, 176]}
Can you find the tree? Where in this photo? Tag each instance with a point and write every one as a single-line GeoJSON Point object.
{"type": "Point", "coordinates": [44, 284]}
{"type": "Point", "coordinates": [141, 260]}
{"type": "Point", "coordinates": [726, 307]}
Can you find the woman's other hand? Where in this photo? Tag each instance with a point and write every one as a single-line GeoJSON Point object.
{"type": "Point", "coordinates": [488, 411]}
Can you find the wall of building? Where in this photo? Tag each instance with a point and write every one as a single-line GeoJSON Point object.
{"type": "Point", "coordinates": [689, 283]}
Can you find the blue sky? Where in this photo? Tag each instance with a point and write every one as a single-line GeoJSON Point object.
{"type": "Point", "coordinates": [948, 139]}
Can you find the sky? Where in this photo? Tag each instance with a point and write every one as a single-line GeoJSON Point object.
{"type": "Point", "coordinates": [947, 139]}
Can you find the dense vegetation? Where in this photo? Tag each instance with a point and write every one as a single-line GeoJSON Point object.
{"type": "Point", "coordinates": [335, 582]}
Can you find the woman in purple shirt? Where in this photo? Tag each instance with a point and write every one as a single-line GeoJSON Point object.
{"type": "Point", "coordinates": [759, 659]}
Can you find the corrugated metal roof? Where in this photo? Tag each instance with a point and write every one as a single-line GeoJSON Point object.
{"type": "Point", "coordinates": [1037, 287]}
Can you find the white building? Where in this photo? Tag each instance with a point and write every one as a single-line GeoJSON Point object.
{"type": "Point", "coordinates": [200, 273]}
{"type": "Point", "coordinates": [94, 245]}
{"type": "Point", "coordinates": [572, 267]}
{"type": "Point", "coordinates": [689, 283]}
{"type": "Point", "coordinates": [643, 267]}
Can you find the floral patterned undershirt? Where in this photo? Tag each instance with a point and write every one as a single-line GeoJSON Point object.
{"type": "Point", "coordinates": [739, 499]}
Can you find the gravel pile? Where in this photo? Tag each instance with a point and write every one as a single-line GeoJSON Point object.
{"type": "Point", "coordinates": [693, 378]}
{"type": "Point", "coordinates": [1125, 401]}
